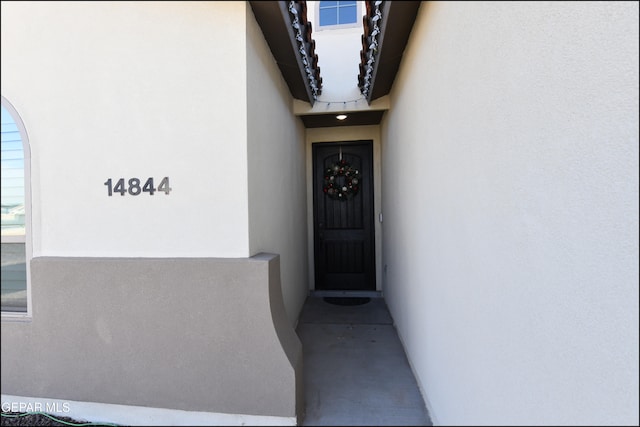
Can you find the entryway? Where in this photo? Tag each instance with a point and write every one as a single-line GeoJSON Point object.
{"type": "Point", "coordinates": [343, 216]}
{"type": "Point", "coordinates": [355, 368]}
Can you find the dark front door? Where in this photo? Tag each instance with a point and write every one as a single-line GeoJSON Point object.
{"type": "Point", "coordinates": [343, 216]}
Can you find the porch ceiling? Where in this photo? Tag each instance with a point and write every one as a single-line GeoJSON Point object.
{"type": "Point", "coordinates": [357, 118]}
{"type": "Point", "coordinates": [394, 23]}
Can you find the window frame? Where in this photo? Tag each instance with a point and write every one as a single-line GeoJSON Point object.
{"type": "Point", "coordinates": [318, 27]}
{"type": "Point", "coordinates": [26, 239]}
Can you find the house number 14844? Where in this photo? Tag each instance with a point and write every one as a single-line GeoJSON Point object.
{"type": "Point", "coordinates": [135, 187]}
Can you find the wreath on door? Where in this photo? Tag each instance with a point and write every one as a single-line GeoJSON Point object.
{"type": "Point", "coordinates": [341, 181]}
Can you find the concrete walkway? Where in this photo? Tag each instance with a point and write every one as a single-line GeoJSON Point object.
{"type": "Point", "coordinates": [355, 369]}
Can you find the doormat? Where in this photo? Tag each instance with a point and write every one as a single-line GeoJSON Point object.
{"type": "Point", "coordinates": [347, 300]}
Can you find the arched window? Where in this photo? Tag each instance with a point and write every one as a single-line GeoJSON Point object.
{"type": "Point", "coordinates": [338, 12]}
{"type": "Point", "coordinates": [16, 223]}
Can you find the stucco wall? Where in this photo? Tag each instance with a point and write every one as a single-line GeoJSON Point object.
{"type": "Point", "coordinates": [510, 174]}
{"type": "Point", "coordinates": [276, 170]}
{"type": "Point", "coordinates": [132, 89]}
{"type": "Point", "coordinates": [114, 331]}
{"type": "Point", "coordinates": [163, 295]}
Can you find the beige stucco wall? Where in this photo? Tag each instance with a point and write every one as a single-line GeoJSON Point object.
{"type": "Point", "coordinates": [276, 170]}
{"type": "Point", "coordinates": [510, 184]}
{"type": "Point", "coordinates": [132, 89]}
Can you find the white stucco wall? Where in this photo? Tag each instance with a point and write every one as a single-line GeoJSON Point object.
{"type": "Point", "coordinates": [277, 187]}
{"type": "Point", "coordinates": [510, 185]}
{"type": "Point", "coordinates": [132, 89]}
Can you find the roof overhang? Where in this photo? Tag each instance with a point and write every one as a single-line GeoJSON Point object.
{"type": "Point", "coordinates": [396, 19]}
{"type": "Point", "coordinates": [275, 21]}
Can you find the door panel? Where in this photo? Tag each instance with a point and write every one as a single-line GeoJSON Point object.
{"type": "Point", "coordinates": [343, 226]}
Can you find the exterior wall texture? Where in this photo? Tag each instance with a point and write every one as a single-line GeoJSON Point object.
{"type": "Point", "coordinates": [114, 331]}
{"type": "Point", "coordinates": [277, 190]}
{"type": "Point", "coordinates": [132, 89]}
{"type": "Point", "coordinates": [510, 185]}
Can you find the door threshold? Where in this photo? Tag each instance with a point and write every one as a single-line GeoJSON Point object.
{"type": "Point", "coordinates": [346, 294]}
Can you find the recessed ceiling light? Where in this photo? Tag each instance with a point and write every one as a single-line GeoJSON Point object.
{"type": "Point", "coordinates": [341, 116]}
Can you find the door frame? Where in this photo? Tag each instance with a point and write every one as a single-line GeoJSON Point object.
{"type": "Point", "coordinates": [367, 233]}
{"type": "Point", "coordinates": [339, 135]}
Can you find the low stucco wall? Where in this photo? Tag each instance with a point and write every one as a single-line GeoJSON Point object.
{"type": "Point", "coordinates": [190, 334]}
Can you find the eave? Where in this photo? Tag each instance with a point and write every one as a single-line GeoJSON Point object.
{"type": "Point", "coordinates": [276, 23]}
{"type": "Point", "coordinates": [395, 23]}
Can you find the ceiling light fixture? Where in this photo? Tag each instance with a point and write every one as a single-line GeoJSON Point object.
{"type": "Point", "coordinates": [341, 116]}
